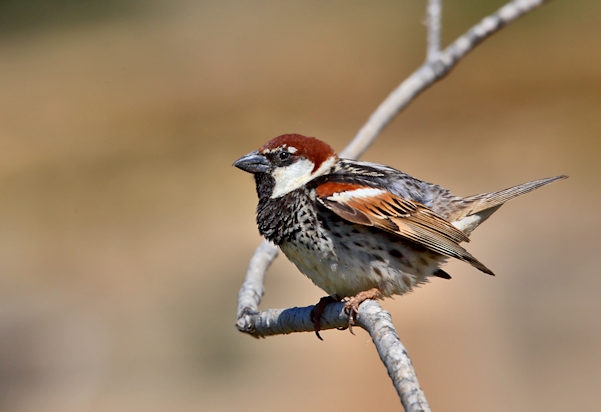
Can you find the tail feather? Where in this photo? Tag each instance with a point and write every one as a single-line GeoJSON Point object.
{"type": "Point", "coordinates": [474, 210]}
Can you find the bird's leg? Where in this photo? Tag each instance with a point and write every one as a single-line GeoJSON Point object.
{"type": "Point", "coordinates": [318, 310]}
{"type": "Point", "coordinates": [351, 307]}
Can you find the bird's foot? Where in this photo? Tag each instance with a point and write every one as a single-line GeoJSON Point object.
{"type": "Point", "coordinates": [318, 310]}
{"type": "Point", "coordinates": [351, 307]}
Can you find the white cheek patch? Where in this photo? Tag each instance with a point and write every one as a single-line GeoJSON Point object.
{"type": "Point", "coordinates": [297, 174]}
{"type": "Point", "coordinates": [355, 194]}
{"type": "Point", "coordinates": [291, 177]}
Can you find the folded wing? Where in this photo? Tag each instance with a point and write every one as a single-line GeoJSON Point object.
{"type": "Point", "coordinates": [379, 208]}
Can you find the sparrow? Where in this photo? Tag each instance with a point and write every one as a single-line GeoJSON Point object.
{"type": "Point", "coordinates": [361, 230]}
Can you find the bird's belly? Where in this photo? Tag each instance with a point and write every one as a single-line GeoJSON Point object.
{"type": "Point", "coordinates": [347, 264]}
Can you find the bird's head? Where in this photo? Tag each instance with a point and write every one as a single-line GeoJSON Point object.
{"type": "Point", "coordinates": [288, 162]}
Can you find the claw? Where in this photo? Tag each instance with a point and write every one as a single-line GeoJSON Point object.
{"type": "Point", "coordinates": [317, 311]}
{"type": "Point", "coordinates": [351, 307]}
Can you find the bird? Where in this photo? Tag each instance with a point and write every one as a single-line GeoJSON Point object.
{"type": "Point", "coordinates": [361, 230]}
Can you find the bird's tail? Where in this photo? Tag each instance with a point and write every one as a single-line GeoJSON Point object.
{"type": "Point", "coordinates": [473, 210]}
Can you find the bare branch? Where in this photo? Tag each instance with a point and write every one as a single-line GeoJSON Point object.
{"type": "Point", "coordinates": [378, 323]}
{"type": "Point", "coordinates": [434, 70]}
{"type": "Point", "coordinates": [433, 18]}
{"type": "Point", "coordinates": [251, 292]}
{"type": "Point", "coordinates": [484, 29]}
{"type": "Point", "coordinates": [283, 321]}
{"type": "Point", "coordinates": [371, 316]}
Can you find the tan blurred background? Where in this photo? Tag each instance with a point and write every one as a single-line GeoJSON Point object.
{"type": "Point", "coordinates": [125, 232]}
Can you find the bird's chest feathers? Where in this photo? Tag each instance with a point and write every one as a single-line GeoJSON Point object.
{"type": "Point", "coordinates": [292, 218]}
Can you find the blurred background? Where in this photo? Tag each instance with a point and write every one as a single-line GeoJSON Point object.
{"type": "Point", "coordinates": [125, 232]}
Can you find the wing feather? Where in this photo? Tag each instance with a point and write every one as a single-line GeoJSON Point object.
{"type": "Point", "coordinates": [411, 220]}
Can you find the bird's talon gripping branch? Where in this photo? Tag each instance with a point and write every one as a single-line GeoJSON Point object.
{"type": "Point", "coordinates": [318, 310]}
{"type": "Point", "coordinates": [351, 307]}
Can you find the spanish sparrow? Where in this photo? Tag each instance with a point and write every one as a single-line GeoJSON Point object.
{"type": "Point", "coordinates": [362, 230]}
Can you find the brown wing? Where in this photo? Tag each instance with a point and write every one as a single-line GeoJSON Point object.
{"type": "Point", "coordinates": [379, 208]}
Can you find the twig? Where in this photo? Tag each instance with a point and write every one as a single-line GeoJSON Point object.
{"type": "Point", "coordinates": [283, 321]}
{"type": "Point", "coordinates": [251, 292]}
{"type": "Point", "coordinates": [434, 70]}
{"type": "Point", "coordinates": [371, 316]}
{"type": "Point", "coordinates": [378, 323]}
{"type": "Point", "coordinates": [433, 17]}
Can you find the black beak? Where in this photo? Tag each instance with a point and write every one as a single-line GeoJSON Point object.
{"type": "Point", "coordinates": [253, 162]}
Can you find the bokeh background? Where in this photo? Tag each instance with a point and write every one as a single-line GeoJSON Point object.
{"type": "Point", "coordinates": [125, 232]}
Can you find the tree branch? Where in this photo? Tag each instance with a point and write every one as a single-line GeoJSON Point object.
{"type": "Point", "coordinates": [251, 292]}
{"type": "Point", "coordinates": [371, 316]}
{"type": "Point", "coordinates": [432, 71]}
{"type": "Point", "coordinates": [378, 323]}
{"type": "Point", "coordinates": [433, 18]}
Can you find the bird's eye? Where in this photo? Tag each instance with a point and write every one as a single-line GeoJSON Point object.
{"type": "Point", "coordinates": [283, 156]}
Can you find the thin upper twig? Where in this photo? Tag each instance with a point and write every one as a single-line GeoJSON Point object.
{"type": "Point", "coordinates": [432, 71]}
{"type": "Point", "coordinates": [433, 23]}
